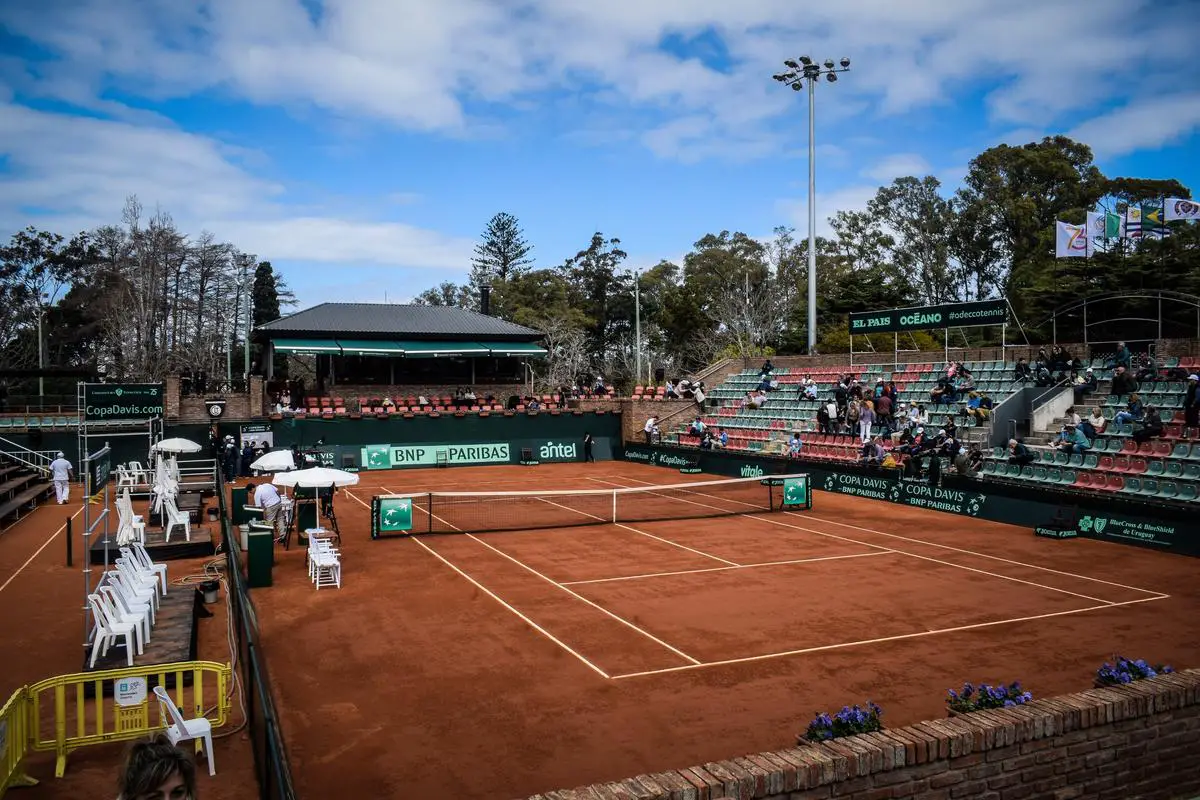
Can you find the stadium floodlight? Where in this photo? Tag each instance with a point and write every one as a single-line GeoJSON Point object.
{"type": "Point", "coordinates": [806, 72]}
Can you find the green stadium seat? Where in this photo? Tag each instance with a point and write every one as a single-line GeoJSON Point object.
{"type": "Point", "coordinates": [6, 422]}
{"type": "Point", "coordinates": [1061, 458]}
{"type": "Point", "coordinates": [1173, 470]}
{"type": "Point", "coordinates": [1169, 490]}
{"type": "Point", "coordinates": [1068, 477]}
{"type": "Point", "coordinates": [1053, 475]}
{"type": "Point", "coordinates": [1188, 492]}
{"type": "Point", "coordinates": [1191, 472]}
{"type": "Point", "coordinates": [1181, 450]}
{"type": "Point", "coordinates": [1040, 474]}
{"type": "Point", "coordinates": [1076, 460]}
{"type": "Point", "coordinates": [1154, 469]}
{"type": "Point", "coordinates": [1026, 473]}
{"type": "Point", "coordinates": [1091, 461]}
{"type": "Point", "coordinates": [1048, 456]}
{"type": "Point", "coordinates": [1132, 485]}
{"type": "Point", "coordinates": [1149, 486]}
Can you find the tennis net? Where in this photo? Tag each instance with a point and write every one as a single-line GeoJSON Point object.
{"type": "Point", "coordinates": [480, 512]}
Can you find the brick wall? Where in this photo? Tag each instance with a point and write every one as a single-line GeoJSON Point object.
{"type": "Point", "coordinates": [1138, 740]}
{"type": "Point", "coordinates": [634, 413]}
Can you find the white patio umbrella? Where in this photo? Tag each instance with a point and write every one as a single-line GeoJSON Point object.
{"type": "Point", "coordinates": [315, 478]}
{"type": "Point", "coordinates": [177, 446]}
{"type": "Point", "coordinates": [274, 461]}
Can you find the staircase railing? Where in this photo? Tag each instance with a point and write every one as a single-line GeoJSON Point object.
{"type": "Point", "coordinates": [36, 459]}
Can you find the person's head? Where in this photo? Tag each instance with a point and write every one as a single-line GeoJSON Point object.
{"type": "Point", "coordinates": [250, 487]}
{"type": "Point", "coordinates": [1120, 345]}
{"type": "Point", "coordinates": [157, 770]}
{"type": "Point", "coordinates": [1096, 412]}
{"type": "Point", "coordinates": [60, 454]}
{"type": "Point", "coordinates": [1194, 378]}
{"type": "Point", "coordinates": [1134, 398]}
{"type": "Point", "coordinates": [1020, 361]}
{"type": "Point", "coordinates": [1070, 410]}
{"type": "Point", "coordinates": [1012, 442]}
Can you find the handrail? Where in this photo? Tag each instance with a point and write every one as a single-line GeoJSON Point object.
{"type": "Point", "coordinates": [35, 459]}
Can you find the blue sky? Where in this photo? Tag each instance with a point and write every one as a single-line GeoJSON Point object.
{"type": "Point", "coordinates": [361, 145]}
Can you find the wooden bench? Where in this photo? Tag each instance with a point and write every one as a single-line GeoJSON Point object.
{"type": "Point", "coordinates": [25, 501]}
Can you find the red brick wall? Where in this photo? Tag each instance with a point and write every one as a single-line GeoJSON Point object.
{"type": "Point", "coordinates": [1138, 740]}
{"type": "Point", "coordinates": [634, 413]}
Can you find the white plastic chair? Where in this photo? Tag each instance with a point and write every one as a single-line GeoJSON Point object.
{"type": "Point", "coordinates": [324, 564]}
{"type": "Point", "coordinates": [107, 631]}
{"type": "Point", "coordinates": [134, 592]}
{"type": "Point", "coordinates": [176, 519]}
{"type": "Point", "coordinates": [125, 478]}
{"type": "Point", "coordinates": [120, 609]}
{"type": "Point", "coordinates": [137, 552]}
{"type": "Point", "coordinates": [179, 729]}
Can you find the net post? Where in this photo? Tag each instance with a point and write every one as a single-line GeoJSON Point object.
{"type": "Point", "coordinates": [614, 506]}
{"type": "Point", "coordinates": [429, 509]}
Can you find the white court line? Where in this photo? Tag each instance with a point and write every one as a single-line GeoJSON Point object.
{"type": "Point", "coordinates": [499, 599]}
{"type": "Point", "coordinates": [1155, 595]}
{"type": "Point", "coordinates": [571, 592]}
{"type": "Point", "coordinates": [38, 552]}
{"type": "Point", "coordinates": [721, 569]}
{"type": "Point", "coordinates": [643, 533]}
{"type": "Point", "coordinates": [879, 640]}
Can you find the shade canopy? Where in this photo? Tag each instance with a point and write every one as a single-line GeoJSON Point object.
{"type": "Point", "coordinates": [408, 348]}
{"type": "Point", "coordinates": [274, 461]}
{"type": "Point", "coordinates": [315, 478]}
{"type": "Point", "coordinates": [177, 445]}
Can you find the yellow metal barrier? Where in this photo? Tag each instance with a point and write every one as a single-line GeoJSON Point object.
{"type": "Point", "coordinates": [79, 720]}
{"type": "Point", "coordinates": [14, 741]}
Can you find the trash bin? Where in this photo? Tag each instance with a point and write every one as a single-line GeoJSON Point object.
{"type": "Point", "coordinates": [211, 590]}
{"type": "Point", "coordinates": [260, 554]}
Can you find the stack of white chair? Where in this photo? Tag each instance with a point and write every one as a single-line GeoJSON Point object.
{"type": "Point", "coordinates": [124, 604]}
{"type": "Point", "coordinates": [324, 563]}
{"type": "Point", "coordinates": [130, 526]}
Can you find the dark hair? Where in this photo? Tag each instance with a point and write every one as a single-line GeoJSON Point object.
{"type": "Point", "coordinates": [250, 487]}
{"type": "Point", "coordinates": [150, 763]}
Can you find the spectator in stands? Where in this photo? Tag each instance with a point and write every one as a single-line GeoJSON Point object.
{"type": "Point", "coordinates": [470, 396]}
{"type": "Point", "coordinates": [1072, 416]}
{"type": "Point", "coordinates": [669, 393]}
{"type": "Point", "coordinates": [1123, 383]}
{"type": "Point", "coordinates": [389, 405]}
{"type": "Point", "coordinates": [872, 452]}
{"type": "Point", "coordinates": [866, 419]}
{"type": "Point", "coordinates": [767, 384]}
{"type": "Point", "coordinates": [883, 412]}
{"type": "Point", "coordinates": [532, 403]}
{"type": "Point", "coordinates": [1095, 424]}
{"type": "Point", "coordinates": [651, 429]}
{"type": "Point", "coordinates": [157, 770]}
{"type": "Point", "coordinates": [1060, 360]}
{"type": "Point", "coordinates": [1041, 375]}
{"type": "Point", "coordinates": [1122, 358]}
{"type": "Point", "coordinates": [851, 416]}
{"type": "Point", "coordinates": [1191, 402]}
{"type": "Point", "coordinates": [722, 438]}
{"type": "Point", "coordinates": [950, 428]}
{"type": "Point", "coordinates": [944, 392]}
{"type": "Point", "coordinates": [1022, 372]}
{"type": "Point", "coordinates": [1148, 372]}
{"type": "Point", "coordinates": [62, 473]}
{"type": "Point", "coordinates": [767, 368]}
{"type": "Point", "coordinates": [826, 416]}
{"type": "Point", "coordinates": [808, 389]}
{"type": "Point", "coordinates": [698, 393]}
{"type": "Point", "coordinates": [1075, 441]}
{"type": "Point", "coordinates": [979, 407]}
{"type": "Point", "coordinates": [600, 388]}
{"type": "Point", "coordinates": [1133, 411]}
{"type": "Point", "coordinates": [1152, 426]}
{"type": "Point", "coordinates": [1085, 384]}
{"type": "Point", "coordinates": [916, 415]}
{"type": "Point", "coordinates": [756, 399]}
{"type": "Point", "coordinates": [841, 392]}
{"type": "Point", "coordinates": [697, 427]}
{"type": "Point", "coordinates": [964, 464]}
{"type": "Point", "coordinates": [795, 445]}
{"type": "Point", "coordinates": [706, 440]}
{"type": "Point", "coordinates": [1019, 453]}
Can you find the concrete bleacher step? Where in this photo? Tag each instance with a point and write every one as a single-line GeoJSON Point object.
{"type": "Point", "coordinates": [22, 489]}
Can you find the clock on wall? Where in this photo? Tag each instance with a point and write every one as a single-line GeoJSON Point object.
{"type": "Point", "coordinates": [216, 408]}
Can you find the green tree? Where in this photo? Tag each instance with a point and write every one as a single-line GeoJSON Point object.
{"type": "Point", "coordinates": [447, 293]}
{"type": "Point", "coordinates": [602, 291]}
{"type": "Point", "coordinates": [502, 251]}
{"type": "Point", "coordinates": [921, 221]}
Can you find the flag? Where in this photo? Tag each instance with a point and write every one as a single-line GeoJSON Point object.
{"type": "Point", "coordinates": [1133, 222]}
{"type": "Point", "coordinates": [1071, 241]}
{"type": "Point", "coordinates": [1114, 226]}
{"type": "Point", "coordinates": [1152, 217]}
{"type": "Point", "coordinates": [1097, 228]}
{"type": "Point", "coordinates": [1178, 208]}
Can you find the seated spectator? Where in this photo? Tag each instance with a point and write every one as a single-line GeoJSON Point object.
{"type": "Point", "coordinates": [1060, 360]}
{"type": "Point", "coordinates": [809, 390]}
{"type": "Point", "coordinates": [1075, 441]}
{"type": "Point", "coordinates": [795, 445]}
{"type": "Point", "coordinates": [533, 404]}
{"type": "Point", "coordinates": [976, 455]}
{"type": "Point", "coordinates": [766, 384]}
{"type": "Point", "coordinates": [767, 368]}
{"type": "Point", "coordinates": [600, 387]}
{"type": "Point", "coordinates": [423, 401]}
{"type": "Point", "coordinates": [756, 399]}
{"type": "Point", "coordinates": [963, 464]}
{"type": "Point", "coordinates": [1148, 371]}
{"type": "Point", "coordinates": [1152, 426]}
{"type": "Point", "coordinates": [1133, 411]}
{"type": "Point", "coordinates": [1191, 402]}
{"type": "Point", "coordinates": [1072, 418]}
{"type": "Point", "coordinates": [979, 407]}
{"type": "Point", "coordinates": [722, 438]}
{"type": "Point", "coordinates": [1022, 372]}
{"type": "Point", "coordinates": [872, 452]}
{"type": "Point", "coordinates": [1122, 358]}
{"type": "Point", "coordinates": [388, 404]}
{"type": "Point", "coordinates": [706, 441]}
{"type": "Point", "coordinates": [1085, 384]}
{"type": "Point", "coordinates": [1019, 453]}
{"type": "Point", "coordinates": [470, 396]}
{"type": "Point", "coordinates": [697, 427]}
{"type": "Point", "coordinates": [1095, 424]}
{"type": "Point", "coordinates": [1123, 383]}
{"type": "Point", "coordinates": [950, 428]}
{"type": "Point", "coordinates": [651, 429]}
{"type": "Point", "coordinates": [1041, 375]}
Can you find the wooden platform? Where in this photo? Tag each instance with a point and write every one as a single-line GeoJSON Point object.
{"type": "Point", "coordinates": [172, 638]}
{"type": "Point", "coordinates": [201, 545]}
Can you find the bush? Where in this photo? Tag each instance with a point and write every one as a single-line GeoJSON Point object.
{"type": "Point", "coordinates": [1127, 671]}
{"type": "Point", "coordinates": [847, 722]}
{"type": "Point", "coordinates": [977, 698]}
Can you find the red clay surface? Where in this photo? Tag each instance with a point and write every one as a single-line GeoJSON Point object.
{"type": "Point", "coordinates": [424, 676]}
{"type": "Point", "coordinates": [41, 635]}
{"type": "Point", "coordinates": [505, 664]}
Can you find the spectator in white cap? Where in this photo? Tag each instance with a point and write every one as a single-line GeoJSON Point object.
{"type": "Point", "coordinates": [1191, 402]}
{"type": "Point", "coordinates": [61, 473]}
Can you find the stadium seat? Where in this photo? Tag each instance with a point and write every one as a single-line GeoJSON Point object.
{"type": "Point", "coordinates": [1132, 486]}
{"type": "Point", "coordinates": [1154, 469]}
{"type": "Point", "coordinates": [1114, 483]}
{"type": "Point", "coordinates": [1188, 492]}
{"type": "Point", "coordinates": [1138, 466]}
{"type": "Point", "coordinates": [1168, 490]}
{"type": "Point", "coordinates": [1149, 486]}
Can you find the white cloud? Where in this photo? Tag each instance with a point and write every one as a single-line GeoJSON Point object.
{"type": "Point", "coordinates": [899, 165]}
{"type": "Point", "coordinates": [849, 198]}
{"type": "Point", "coordinates": [426, 66]}
{"type": "Point", "coordinates": [1144, 124]}
{"type": "Point", "coordinates": [81, 169]}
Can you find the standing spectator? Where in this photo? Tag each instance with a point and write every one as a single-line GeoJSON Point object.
{"type": "Point", "coordinates": [767, 368]}
{"type": "Point", "coordinates": [883, 412]}
{"type": "Point", "coordinates": [697, 427]}
{"type": "Point", "coordinates": [866, 419]}
{"type": "Point", "coordinates": [62, 474]}
{"type": "Point", "coordinates": [1122, 358]}
{"type": "Point", "coordinates": [157, 770]}
{"type": "Point", "coordinates": [1191, 402]}
{"type": "Point", "coordinates": [247, 458]}
{"type": "Point", "coordinates": [651, 429]}
{"type": "Point", "coordinates": [722, 438]}
{"type": "Point", "coordinates": [588, 442]}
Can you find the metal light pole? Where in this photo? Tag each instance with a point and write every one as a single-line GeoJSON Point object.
{"type": "Point", "coordinates": [41, 357]}
{"type": "Point", "coordinates": [637, 320]}
{"type": "Point", "coordinates": [807, 71]}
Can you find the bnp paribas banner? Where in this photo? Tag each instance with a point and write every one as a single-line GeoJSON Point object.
{"type": "Point", "coordinates": [399, 456]}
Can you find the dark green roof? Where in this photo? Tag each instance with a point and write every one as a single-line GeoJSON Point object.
{"type": "Point", "coordinates": [392, 321]}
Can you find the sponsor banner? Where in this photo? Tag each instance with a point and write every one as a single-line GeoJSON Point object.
{"type": "Point", "coordinates": [927, 318]}
{"type": "Point", "coordinates": [1124, 527]}
{"type": "Point", "coordinates": [909, 493]}
{"type": "Point", "coordinates": [394, 515]}
{"type": "Point", "coordinates": [107, 401]}
{"type": "Point", "coordinates": [99, 472]}
{"type": "Point", "coordinates": [129, 692]}
{"type": "Point", "coordinates": [386, 456]}
{"type": "Point", "coordinates": [1055, 533]}
{"type": "Point", "coordinates": [257, 434]}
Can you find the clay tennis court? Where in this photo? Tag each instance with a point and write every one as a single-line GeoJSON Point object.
{"type": "Point", "coordinates": [504, 664]}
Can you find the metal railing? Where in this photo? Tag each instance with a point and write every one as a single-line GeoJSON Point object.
{"type": "Point", "coordinates": [35, 459]}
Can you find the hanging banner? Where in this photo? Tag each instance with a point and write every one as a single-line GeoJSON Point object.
{"type": "Point", "coordinates": [105, 401]}
{"type": "Point", "coordinates": [928, 318]}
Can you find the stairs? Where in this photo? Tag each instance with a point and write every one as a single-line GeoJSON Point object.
{"type": "Point", "coordinates": [22, 489]}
